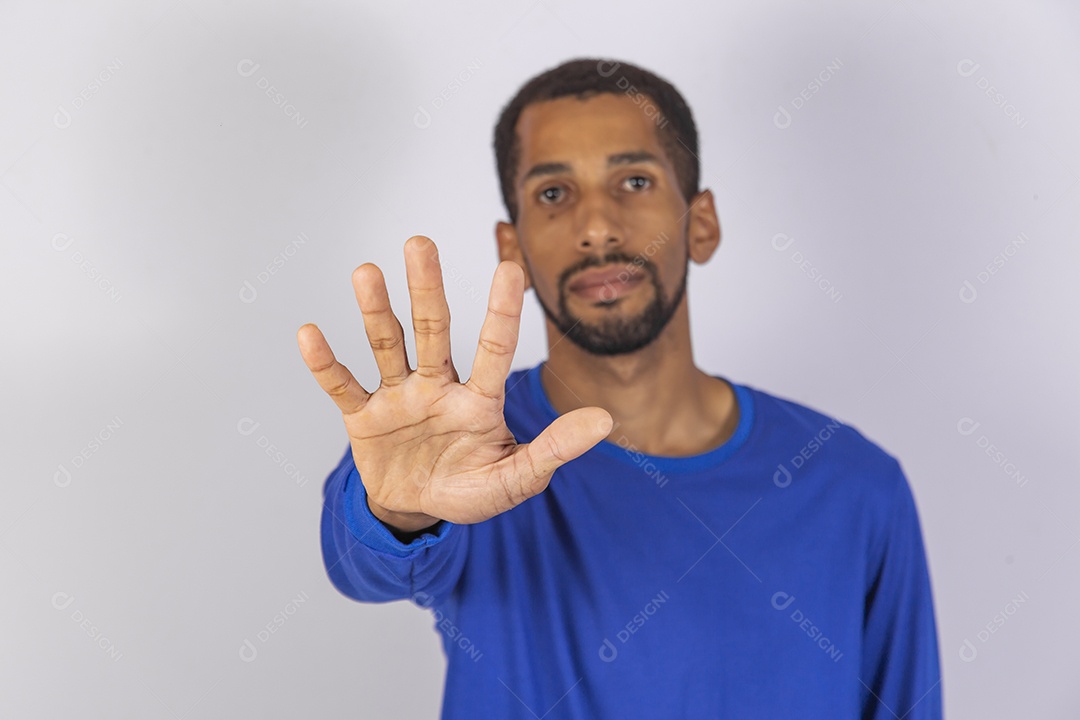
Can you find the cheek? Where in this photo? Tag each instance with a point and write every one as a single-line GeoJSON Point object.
{"type": "Point", "coordinates": [544, 263]}
{"type": "Point", "coordinates": [675, 271]}
{"type": "Point", "coordinates": [670, 261]}
{"type": "Point", "coordinates": [669, 210]}
{"type": "Point", "coordinates": [546, 287]}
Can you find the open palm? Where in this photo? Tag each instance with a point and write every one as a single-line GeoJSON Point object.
{"type": "Point", "coordinates": [427, 446]}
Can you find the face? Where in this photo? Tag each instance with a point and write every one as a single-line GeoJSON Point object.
{"type": "Point", "coordinates": [603, 230]}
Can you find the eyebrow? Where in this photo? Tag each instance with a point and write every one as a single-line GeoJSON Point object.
{"type": "Point", "coordinates": [625, 158]}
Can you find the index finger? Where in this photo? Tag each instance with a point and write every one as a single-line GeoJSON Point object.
{"type": "Point", "coordinates": [499, 334]}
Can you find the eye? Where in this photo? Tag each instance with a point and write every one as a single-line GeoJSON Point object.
{"type": "Point", "coordinates": [550, 194]}
{"type": "Point", "coordinates": [638, 182]}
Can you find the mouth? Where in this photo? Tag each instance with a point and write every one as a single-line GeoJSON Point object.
{"type": "Point", "coordinates": [605, 285]}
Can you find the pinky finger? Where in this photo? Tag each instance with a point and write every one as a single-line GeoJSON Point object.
{"type": "Point", "coordinates": [332, 376]}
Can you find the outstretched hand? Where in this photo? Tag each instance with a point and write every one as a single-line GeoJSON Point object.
{"type": "Point", "coordinates": [427, 446]}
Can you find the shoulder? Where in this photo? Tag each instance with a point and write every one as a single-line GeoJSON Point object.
{"type": "Point", "coordinates": [804, 437]}
{"type": "Point", "coordinates": [831, 463]}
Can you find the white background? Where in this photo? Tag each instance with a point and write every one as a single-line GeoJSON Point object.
{"type": "Point", "coordinates": [144, 180]}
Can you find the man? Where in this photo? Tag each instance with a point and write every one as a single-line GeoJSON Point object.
{"type": "Point", "coordinates": [615, 533]}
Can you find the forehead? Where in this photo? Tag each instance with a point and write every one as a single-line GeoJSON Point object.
{"type": "Point", "coordinates": [574, 131]}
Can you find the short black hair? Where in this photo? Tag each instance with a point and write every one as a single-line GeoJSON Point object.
{"type": "Point", "coordinates": [583, 78]}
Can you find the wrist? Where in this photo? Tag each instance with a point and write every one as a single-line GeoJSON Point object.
{"type": "Point", "coordinates": [401, 523]}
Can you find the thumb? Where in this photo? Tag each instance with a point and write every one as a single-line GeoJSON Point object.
{"type": "Point", "coordinates": [568, 437]}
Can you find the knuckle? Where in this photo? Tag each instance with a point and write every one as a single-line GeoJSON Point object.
{"type": "Point", "coordinates": [320, 369]}
{"type": "Point", "coordinates": [430, 325]}
{"type": "Point", "coordinates": [429, 371]}
{"type": "Point", "coordinates": [495, 348]}
{"type": "Point", "coordinates": [340, 388]}
{"type": "Point", "coordinates": [556, 451]}
{"type": "Point", "coordinates": [503, 315]}
{"type": "Point", "coordinates": [479, 390]}
{"type": "Point", "coordinates": [385, 342]}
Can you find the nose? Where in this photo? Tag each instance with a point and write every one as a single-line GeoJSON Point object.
{"type": "Point", "coordinates": [598, 227]}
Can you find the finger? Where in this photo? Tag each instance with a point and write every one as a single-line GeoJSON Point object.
{"type": "Point", "coordinates": [332, 376]}
{"type": "Point", "coordinates": [566, 438]}
{"type": "Point", "coordinates": [384, 332]}
{"type": "Point", "coordinates": [430, 313]}
{"type": "Point", "coordinates": [499, 334]}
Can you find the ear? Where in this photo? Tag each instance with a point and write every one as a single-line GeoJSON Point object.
{"type": "Point", "coordinates": [506, 238]}
{"type": "Point", "coordinates": [703, 232]}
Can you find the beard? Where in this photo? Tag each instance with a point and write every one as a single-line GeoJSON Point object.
{"type": "Point", "coordinates": [616, 335]}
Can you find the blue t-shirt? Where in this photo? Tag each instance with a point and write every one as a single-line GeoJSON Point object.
{"type": "Point", "coordinates": [779, 575]}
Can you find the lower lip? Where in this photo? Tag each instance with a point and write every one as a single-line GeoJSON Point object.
{"type": "Point", "coordinates": [609, 290]}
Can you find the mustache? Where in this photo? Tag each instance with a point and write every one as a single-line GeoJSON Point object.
{"type": "Point", "coordinates": [615, 257]}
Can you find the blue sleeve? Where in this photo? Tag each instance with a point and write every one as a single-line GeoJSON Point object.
{"type": "Point", "coordinates": [900, 669]}
{"type": "Point", "coordinates": [367, 563]}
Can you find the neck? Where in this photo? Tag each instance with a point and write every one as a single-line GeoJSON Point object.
{"type": "Point", "coordinates": [662, 404]}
